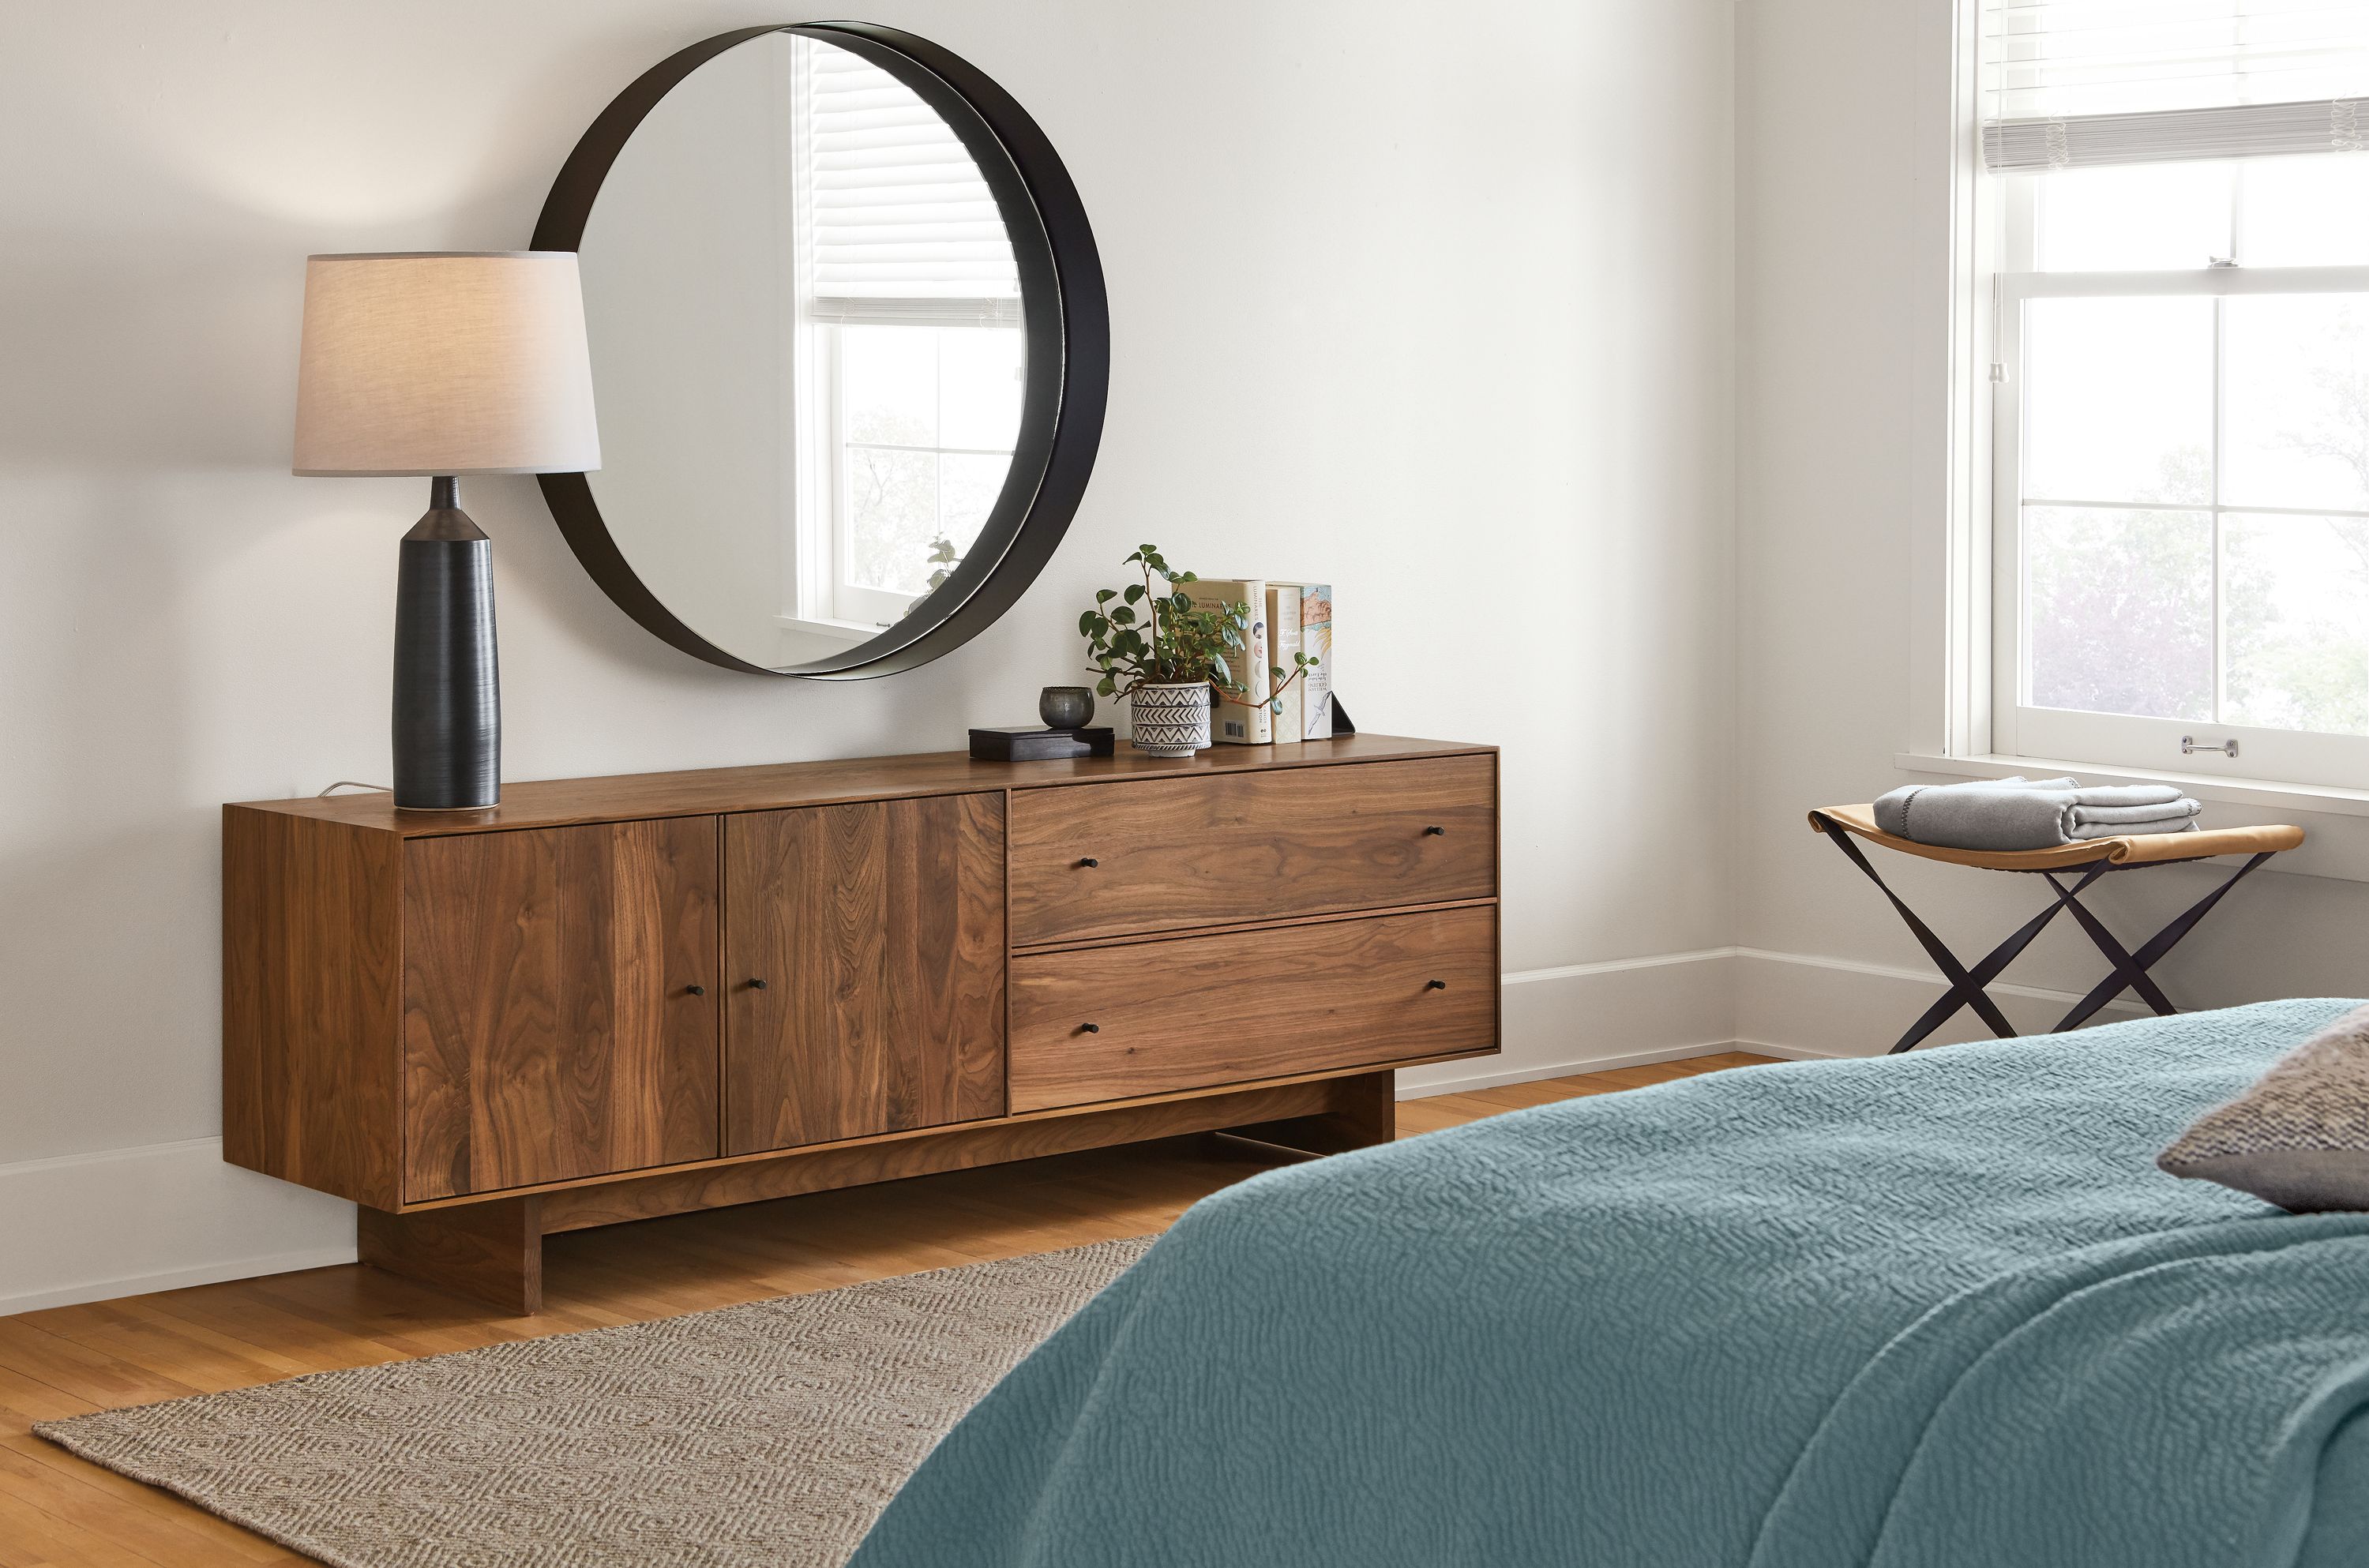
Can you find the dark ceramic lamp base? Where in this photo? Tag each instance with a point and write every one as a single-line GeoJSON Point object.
{"type": "Point", "coordinates": [448, 701]}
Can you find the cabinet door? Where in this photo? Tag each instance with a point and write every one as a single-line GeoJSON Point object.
{"type": "Point", "coordinates": [560, 1003]}
{"type": "Point", "coordinates": [863, 967]}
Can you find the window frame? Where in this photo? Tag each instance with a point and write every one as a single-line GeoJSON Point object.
{"type": "Point", "coordinates": [1959, 682]}
{"type": "Point", "coordinates": [2020, 729]}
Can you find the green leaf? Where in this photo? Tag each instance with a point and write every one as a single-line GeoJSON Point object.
{"type": "Point", "coordinates": [1103, 596]}
{"type": "Point", "coordinates": [1106, 686]}
{"type": "Point", "coordinates": [1133, 591]}
{"type": "Point", "coordinates": [1086, 625]}
{"type": "Point", "coordinates": [1122, 617]}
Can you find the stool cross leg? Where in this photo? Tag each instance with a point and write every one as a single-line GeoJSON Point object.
{"type": "Point", "coordinates": [2126, 967]}
{"type": "Point", "coordinates": [2131, 969]}
{"type": "Point", "coordinates": [1966, 985]}
{"type": "Point", "coordinates": [2084, 863]}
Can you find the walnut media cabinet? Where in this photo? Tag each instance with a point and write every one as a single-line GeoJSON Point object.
{"type": "Point", "coordinates": [610, 999]}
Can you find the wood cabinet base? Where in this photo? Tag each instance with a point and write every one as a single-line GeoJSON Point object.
{"type": "Point", "coordinates": [487, 1251]}
{"type": "Point", "coordinates": [1363, 1111]}
{"type": "Point", "coordinates": [493, 1251]}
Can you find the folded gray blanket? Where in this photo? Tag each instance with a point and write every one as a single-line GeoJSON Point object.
{"type": "Point", "coordinates": [2031, 814]}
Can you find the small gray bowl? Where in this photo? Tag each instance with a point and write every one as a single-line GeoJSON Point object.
{"type": "Point", "coordinates": [1066, 707]}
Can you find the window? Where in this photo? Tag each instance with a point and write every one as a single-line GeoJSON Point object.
{"type": "Point", "coordinates": [2180, 478]}
{"type": "Point", "coordinates": [909, 361]}
{"type": "Point", "coordinates": [924, 418]}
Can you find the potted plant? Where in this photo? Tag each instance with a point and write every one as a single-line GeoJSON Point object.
{"type": "Point", "coordinates": [1166, 653]}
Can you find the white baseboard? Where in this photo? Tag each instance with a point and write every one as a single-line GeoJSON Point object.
{"type": "Point", "coordinates": [1798, 1053]}
{"type": "Point", "coordinates": [1800, 1007]}
{"type": "Point", "coordinates": [1595, 1017]}
{"type": "Point", "coordinates": [93, 1227]}
{"type": "Point", "coordinates": [1433, 1089]}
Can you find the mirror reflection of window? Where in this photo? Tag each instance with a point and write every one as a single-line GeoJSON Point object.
{"type": "Point", "coordinates": [806, 325]}
{"type": "Point", "coordinates": [908, 360]}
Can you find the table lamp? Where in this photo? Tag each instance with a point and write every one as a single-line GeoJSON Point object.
{"type": "Point", "coordinates": [442, 364]}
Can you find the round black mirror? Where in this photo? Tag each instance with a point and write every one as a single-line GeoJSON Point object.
{"type": "Point", "coordinates": [850, 349]}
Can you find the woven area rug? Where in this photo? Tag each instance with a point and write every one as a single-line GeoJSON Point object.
{"type": "Point", "coordinates": [771, 1434]}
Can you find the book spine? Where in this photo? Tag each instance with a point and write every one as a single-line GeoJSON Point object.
{"type": "Point", "coordinates": [1316, 642]}
{"type": "Point", "coordinates": [1283, 632]}
{"type": "Point", "coordinates": [1244, 720]}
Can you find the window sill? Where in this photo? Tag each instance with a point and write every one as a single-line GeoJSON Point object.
{"type": "Point", "coordinates": [848, 632]}
{"type": "Point", "coordinates": [2328, 849]}
{"type": "Point", "coordinates": [2203, 787]}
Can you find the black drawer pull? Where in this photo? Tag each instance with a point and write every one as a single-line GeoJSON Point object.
{"type": "Point", "coordinates": [756, 985]}
{"type": "Point", "coordinates": [1435, 832]}
{"type": "Point", "coordinates": [1090, 861]}
{"type": "Point", "coordinates": [696, 991]}
{"type": "Point", "coordinates": [1436, 985]}
{"type": "Point", "coordinates": [1090, 1028]}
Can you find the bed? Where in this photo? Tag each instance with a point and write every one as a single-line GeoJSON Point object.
{"type": "Point", "coordinates": [1933, 1309]}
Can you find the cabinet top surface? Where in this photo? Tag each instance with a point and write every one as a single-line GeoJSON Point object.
{"type": "Point", "coordinates": [551, 802]}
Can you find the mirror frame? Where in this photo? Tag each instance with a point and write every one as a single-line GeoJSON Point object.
{"type": "Point", "coordinates": [1065, 320]}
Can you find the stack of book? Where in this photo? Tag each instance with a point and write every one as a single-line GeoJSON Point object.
{"type": "Point", "coordinates": [1285, 618]}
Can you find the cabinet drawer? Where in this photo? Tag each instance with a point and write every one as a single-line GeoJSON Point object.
{"type": "Point", "coordinates": [1154, 1017]}
{"type": "Point", "coordinates": [1174, 853]}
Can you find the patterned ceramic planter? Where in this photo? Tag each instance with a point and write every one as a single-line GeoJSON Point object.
{"type": "Point", "coordinates": [1172, 721]}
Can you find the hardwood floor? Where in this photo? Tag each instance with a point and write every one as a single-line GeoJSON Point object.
{"type": "Point", "coordinates": [59, 1512]}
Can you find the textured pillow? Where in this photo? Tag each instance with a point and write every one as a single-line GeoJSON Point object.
{"type": "Point", "coordinates": [2300, 1136]}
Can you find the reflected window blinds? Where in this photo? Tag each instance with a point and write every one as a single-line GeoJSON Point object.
{"type": "Point", "coordinates": [900, 213]}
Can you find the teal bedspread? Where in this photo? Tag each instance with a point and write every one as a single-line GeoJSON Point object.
{"type": "Point", "coordinates": [1932, 1310]}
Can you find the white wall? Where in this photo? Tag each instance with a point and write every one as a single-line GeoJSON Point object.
{"type": "Point", "coordinates": [1843, 260]}
{"type": "Point", "coordinates": [1399, 302]}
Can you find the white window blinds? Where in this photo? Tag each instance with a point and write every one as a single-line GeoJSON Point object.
{"type": "Point", "coordinates": [900, 212]}
{"type": "Point", "coordinates": [2076, 83]}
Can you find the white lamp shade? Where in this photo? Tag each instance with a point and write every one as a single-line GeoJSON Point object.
{"type": "Point", "coordinates": [445, 363]}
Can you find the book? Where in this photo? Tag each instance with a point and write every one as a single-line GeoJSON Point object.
{"type": "Point", "coordinates": [1283, 642]}
{"type": "Point", "coordinates": [1032, 743]}
{"type": "Point", "coordinates": [1243, 719]}
{"type": "Point", "coordinates": [1316, 642]}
